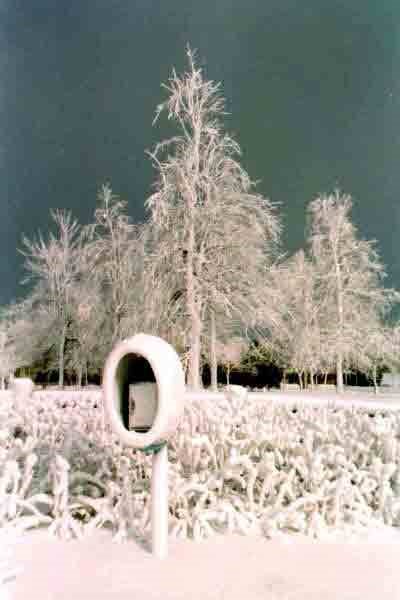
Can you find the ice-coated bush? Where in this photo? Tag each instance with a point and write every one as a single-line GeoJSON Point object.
{"type": "Point", "coordinates": [237, 464]}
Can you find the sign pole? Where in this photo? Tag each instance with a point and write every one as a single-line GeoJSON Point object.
{"type": "Point", "coordinates": [159, 502]}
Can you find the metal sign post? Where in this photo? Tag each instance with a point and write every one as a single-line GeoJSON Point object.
{"type": "Point", "coordinates": [159, 502]}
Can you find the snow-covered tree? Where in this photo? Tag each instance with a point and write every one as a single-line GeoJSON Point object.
{"type": "Point", "coordinates": [378, 348]}
{"type": "Point", "coordinates": [294, 335]}
{"type": "Point", "coordinates": [87, 347]}
{"type": "Point", "coordinates": [230, 353]}
{"type": "Point", "coordinates": [240, 242]}
{"type": "Point", "coordinates": [392, 355]}
{"type": "Point", "coordinates": [213, 232]}
{"type": "Point", "coordinates": [374, 349]}
{"type": "Point", "coordinates": [218, 331]}
{"type": "Point", "coordinates": [53, 266]}
{"type": "Point", "coordinates": [28, 329]}
{"type": "Point", "coordinates": [114, 253]}
{"type": "Point", "coordinates": [349, 278]}
{"type": "Point", "coordinates": [8, 360]}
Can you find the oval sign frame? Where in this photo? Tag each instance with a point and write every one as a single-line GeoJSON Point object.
{"type": "Point", "coordinates": [170, 381]}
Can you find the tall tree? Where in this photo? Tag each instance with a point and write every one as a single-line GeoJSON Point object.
{"type": "Point", "coordinates": [349, 274]}
{"type": "Point", "coordinates": [213, 231]}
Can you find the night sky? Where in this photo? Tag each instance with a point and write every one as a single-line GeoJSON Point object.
{"type": "Point", "coordinates": [313, 89]}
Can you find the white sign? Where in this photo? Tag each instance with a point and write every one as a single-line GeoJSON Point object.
{"type": "Point", "coordinates": [142, 405]}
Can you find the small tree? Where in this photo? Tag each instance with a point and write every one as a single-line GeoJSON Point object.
{"type": "Point", "coordinates": [54, 267]}
{"type": "Point", "coordinates": [293, 334]}
{"type": "Point", "coordinates": [230, 354]}
{"type": "Point", "coordinates": [30, 331]}
{"type": "Point", "coordinates": [374, 351]}
{"type": "Point", "coordinates": [87, 344]}
{"type": "Point", "coordinates": [378, 348]}
{"type": "Point", "coordinates": [222, 329]}
{"type": "Point", "coordinates": [260, 358]}
{"type": "Point", "coordinates": [8, 362]}
{"type": "Point", "coordinates": [392, 356]}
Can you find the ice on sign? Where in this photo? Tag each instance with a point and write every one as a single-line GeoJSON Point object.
{"type": "Point", "coordinates": [142, 406]}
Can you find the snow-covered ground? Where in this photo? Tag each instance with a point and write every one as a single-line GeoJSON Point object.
{"type": "Point", "coordinates": [278, 564]}
{"type": "Point", "coordinates": [363, 398]}
{"type": "Point", "coordinates": [228, 567]}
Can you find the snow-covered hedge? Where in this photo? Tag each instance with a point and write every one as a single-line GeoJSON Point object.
{"type": "Point", "coordinates": [236, 464]}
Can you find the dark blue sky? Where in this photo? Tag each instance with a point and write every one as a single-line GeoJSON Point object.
{"type": "Point", "coordinates": [313, 89]}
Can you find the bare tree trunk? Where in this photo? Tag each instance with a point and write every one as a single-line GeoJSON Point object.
{"type": "Point", "coordinates": [326, 378]}
{"type": "Point", "coordinates": [228, 372]}
{"type": "Point", "coordinates": [61, 357]}
{"type": "Point", "coordinates": [213, 353]}
{"type": "Point", "coordinates": [194, 312]}
{"type": "Point", "coordinates": [194, 357]}
{"type": "Point", "coordinates": [311, 379]}
{"type": "Point", "coordinates": [79, 382]}
{"type": "Point", "coordinates": [3, 385]}
{"type": "Point", "coordinates": [339, 374]}
{"type": "Point", "coordinates": [374, 377]}
{"type": "Point", "coordinates": [339, 355]}
{"type": "Point", "coordinates": [300, 377]}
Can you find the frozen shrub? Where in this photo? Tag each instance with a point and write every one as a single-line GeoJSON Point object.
{"type": "Point", "coordinates": [236, 464]}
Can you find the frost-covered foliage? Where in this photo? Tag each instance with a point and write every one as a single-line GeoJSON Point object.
{"type": "Point", "coordinates": [236, 465]}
